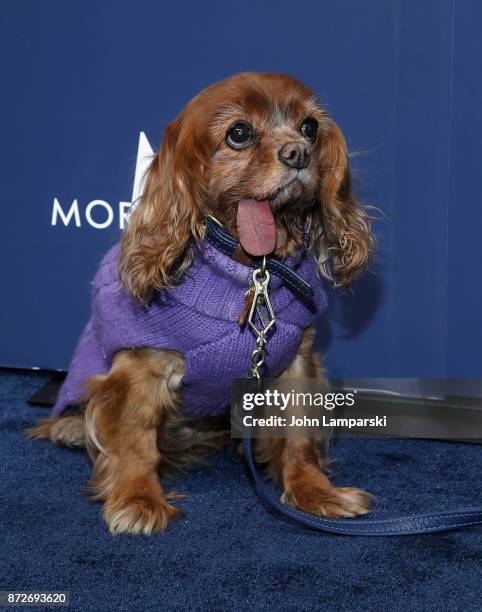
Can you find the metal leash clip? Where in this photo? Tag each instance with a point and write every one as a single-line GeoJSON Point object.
{"type": "Point", "coordinates": [261, 310]}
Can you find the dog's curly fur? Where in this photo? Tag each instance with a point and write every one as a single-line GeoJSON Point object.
{"type": "Point", "coordinates": [133, 425]}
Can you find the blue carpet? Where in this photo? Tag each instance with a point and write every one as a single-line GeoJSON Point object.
{"type": "Point", "coordinates": [230, 552]}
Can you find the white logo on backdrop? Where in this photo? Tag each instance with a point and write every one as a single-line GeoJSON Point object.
{"type": "Point", "coordinates": [99, 213]}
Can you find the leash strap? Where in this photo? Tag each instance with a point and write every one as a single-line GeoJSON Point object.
{"type": "Point", "coordinates": [408, 525]}
{"type": "Point", "coordinates": [222, 240]}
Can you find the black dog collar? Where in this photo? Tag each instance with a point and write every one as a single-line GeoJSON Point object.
{"type": "Point", "coordinates": [220, 237]}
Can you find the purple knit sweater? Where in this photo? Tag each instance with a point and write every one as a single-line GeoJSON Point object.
{"type": "Point", "coordinates": [198, 318]}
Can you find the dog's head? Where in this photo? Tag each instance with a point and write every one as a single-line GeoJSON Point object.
{"type": "Point", "coordinates": [258, 152]}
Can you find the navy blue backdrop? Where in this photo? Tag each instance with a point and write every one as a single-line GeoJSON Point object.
{"type": "Point", "coordinates": [81, 80]}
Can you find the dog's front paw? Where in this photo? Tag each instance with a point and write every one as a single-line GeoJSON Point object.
{"type": "Point", "coordinates": [332, 502]}
{"type": "Point", "coordinates": [139, 515]}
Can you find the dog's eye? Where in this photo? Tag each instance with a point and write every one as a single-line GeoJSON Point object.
{"type": "Point", "coordinates": [309, 128]}
{"type": "Point", "coordinates": [239, 135]}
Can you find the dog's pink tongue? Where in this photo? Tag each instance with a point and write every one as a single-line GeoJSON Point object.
{"type": "Point", "coordinates": [256, 227]}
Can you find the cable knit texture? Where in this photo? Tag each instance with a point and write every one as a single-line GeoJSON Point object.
{"type": "Point", "coordinates": [199, 318]}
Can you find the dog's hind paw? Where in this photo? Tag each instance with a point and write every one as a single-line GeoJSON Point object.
{"type": "Point", "coordinates": [63, 431]}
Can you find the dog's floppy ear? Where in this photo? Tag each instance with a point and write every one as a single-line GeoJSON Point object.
{"type": "Point", "coordinates": [342, 229]}
{"type": "Point", "coordinates": [156, 248]}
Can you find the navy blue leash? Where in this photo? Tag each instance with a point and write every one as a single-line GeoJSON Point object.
{"type": "Point", "coordinates": [431, 522]}
{"type": "Point", "coordinates": [447, 520]}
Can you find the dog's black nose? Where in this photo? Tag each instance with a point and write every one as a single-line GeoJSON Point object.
{"type": "Point", "coordinates": [294, 155]}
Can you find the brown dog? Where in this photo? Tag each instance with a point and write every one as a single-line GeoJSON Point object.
{"type": "Point", "coordinates": [257, 136]}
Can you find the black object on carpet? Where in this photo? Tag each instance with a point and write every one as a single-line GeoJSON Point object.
{"type": "Point", "coordinates": [230, 552]}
